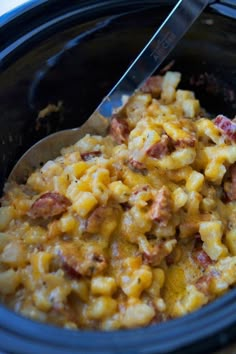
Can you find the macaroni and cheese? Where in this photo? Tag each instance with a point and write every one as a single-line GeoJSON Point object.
{"type": "Point", "coordinates": [129, 229]}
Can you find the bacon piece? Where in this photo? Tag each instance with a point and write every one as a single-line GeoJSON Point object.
{"type": "Point", "coordinates": [183, 143]}
{"type": "Point", "coordinates": [174, 256]}
{"type": "Point", "coordinates": [203, 283]}
{"type": "Point", "coordinates": [137, 166]}
{"type": "Point", "coordinates": [139, 189]}
{"type": "Point", "coordinates": [170, 259]}
{"type": "Point", "coordinates": [98, 217]}
{"type": "Point", "coordinates": [82, 261]}
{"type": "Point", "coordinates": [189, 228]}
{"type": "Point", "coordinates": [202, 258]}
{"type": "Point", "coordinates": [233, 176]}
{"type": "Point", "coordinates": [119, 130]}
{"type": "Point", "coordinates": [125, 206]}
{"type": "Point", "coordinates": [227, 126]}
{"type": "Point", "coordinates": [155, 256]}
{"type": "Point", "coordinates": [157, 252]}
{"type": "Point", "coordinates": [160, 149]}
{"type": "Point", "coordinates": [230, 187]}
{"type": "Point", "coordinates": [90, 155]}
{"type": "Point", "coordinates": [167, 67]}
{"type": "Point", "coordinates": [160, 317]}
{"type": "Point", "coordinates": [71, 271]}
{"type": "Point", "coordinates": [153, 85]}
{"type": "Point", "coordinates": [197, 236]}
{"type": "Point", "coordinates": [48, 205]}
{"type": "Point", "coordinates": [162, 206]}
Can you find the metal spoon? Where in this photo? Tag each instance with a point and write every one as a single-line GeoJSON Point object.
{"type": "Point", "coordinates": [157, 49]}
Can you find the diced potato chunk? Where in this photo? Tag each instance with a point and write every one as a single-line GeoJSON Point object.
{"type": "Point", "coordinates": [9, 281]}
{"type": "Point", "coordinates": [119, 191]}
{"type": "Point", "coordinates": [14, 254]}
{"type": "Point", "coordinates": [81, 288]}
{"type": "Point", "coordinates": [134, 284]}
{"type": "Point", "coordinates": [191, 301]}
{"type": "Point", "coordinates": [195, 181]}
{"type": "Point", "coordinates": [138, 315]}
{"type": "Point", "coordinates": [84, 204]}
{"type": "Point", "coordinates": [191, 108]}
{"type": "Point", "coordinates": [179, 198]}
{"type": "Point", "coordinates": [40, 263]}
{"type": "Point", "coordinates": [101, 285]}
{"type": "Point", "coordinates": [231, 241]}
{"type": "Point", "coordinates": [211, 233]}
{"type": "Point", "coordinates": [182, 95]}
{"type": "Point", "coordinates": [170, 82]}
{"type": "Point", "coordinates": [6, 215]}
{"type": "Point", "coordinates": [102, 307]}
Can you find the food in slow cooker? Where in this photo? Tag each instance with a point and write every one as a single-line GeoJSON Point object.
{"type": "Point", "coordinates": [130, 229]}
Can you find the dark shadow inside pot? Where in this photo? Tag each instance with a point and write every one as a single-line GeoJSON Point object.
{"type": "Point", "coordinates": [79, 64]}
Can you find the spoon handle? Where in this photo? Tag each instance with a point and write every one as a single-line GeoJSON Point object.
{"type": "Point", "coordinates": [154, 53]}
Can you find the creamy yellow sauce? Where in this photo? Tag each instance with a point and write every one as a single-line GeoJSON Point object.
{"type": "Point", "coordinates": [130, 229]}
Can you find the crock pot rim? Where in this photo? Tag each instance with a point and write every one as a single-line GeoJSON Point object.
{"type": "Point", "coordinates": [223, 7]}
{"type": "Point", "coordinates": [18, 324]}
{"type": "Point", "coordinates": [40, 5]}
{"type": "Point", "coordinates": [15, 43]}
{"type": "Point", "coordinates": [165, 337]}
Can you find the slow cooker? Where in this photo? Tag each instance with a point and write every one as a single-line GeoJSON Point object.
{"type": "Point", "coordinates": [73, 52]}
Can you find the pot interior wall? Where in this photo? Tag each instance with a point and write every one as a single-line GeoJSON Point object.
{"type": "Point", "coordinates": [78, 64]}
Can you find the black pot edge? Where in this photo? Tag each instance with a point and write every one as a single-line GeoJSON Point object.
{"type": "Point", "coordinates": [209, 328]}
{"type": "Point", "coordinates": [10, 330]}
{"type": "Point", "coordinates": [223, 7]}
{"type": "Point", "coordinates": [33, 12]}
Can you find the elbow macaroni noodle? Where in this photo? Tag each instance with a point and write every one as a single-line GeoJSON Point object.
{"type": "Point", "coordinates": [126, 230]}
